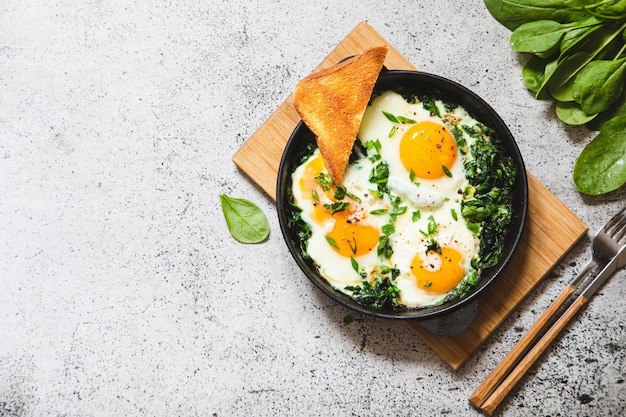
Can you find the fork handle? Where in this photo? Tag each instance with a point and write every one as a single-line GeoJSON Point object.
{"type": "Point", "coordinates": [513, 357]}
{"type": "Point", "coordinates": [511, 380]}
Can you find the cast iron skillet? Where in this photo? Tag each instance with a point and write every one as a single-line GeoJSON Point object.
{"type": "Point", "coordinates": [454, 316]}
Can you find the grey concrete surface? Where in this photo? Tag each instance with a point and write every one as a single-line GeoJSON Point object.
{"type": "Point", "coordinates": [121, 291]}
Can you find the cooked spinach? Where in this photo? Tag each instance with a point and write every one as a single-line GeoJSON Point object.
{"type": "Point", "coordinates": [381, 293]}
{"type": "Point", "coordinates": [302, 228]}
{"type": "Point", "coordinates": [464, 286]}
{"type": "Point", "coordinates": [430, 106]}
{"type": "Point", "coordinates": [384, 246]}
{"type": "Point", "coordinates": [489, 209]}
{"type": "Point", "coordinates": [578, 59]}
{"type": "Point", "coordinates": [295, 221]}
{"type": "Point", "coordinates": [336, 207]}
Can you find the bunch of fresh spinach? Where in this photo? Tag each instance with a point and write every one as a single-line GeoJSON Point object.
{"type": "Point", "coordinates": [578, 58]}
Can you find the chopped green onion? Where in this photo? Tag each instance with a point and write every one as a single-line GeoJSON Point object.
{"type": "Point", "coordinates": [355, 264]}
{"type": "Point", "coordinates": [332, 242]}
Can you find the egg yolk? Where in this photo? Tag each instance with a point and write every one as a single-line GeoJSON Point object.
{"type": "Point", "coordinates": [352, 237]}
{"type": "Point", "coordinates": [314, 167]}
{"type": "Point", "coordinates": [440, 273]}
{"type": "Point", "coordinates": [426, 148]}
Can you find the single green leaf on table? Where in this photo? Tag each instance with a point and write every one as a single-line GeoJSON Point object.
{"type": "Point", "coordinates": [599, 84]}
{"type": "Point", "coordinates": [246, 221]}
{"type": "Point", "coordinates": [569, 112]}
{"type": "Point", "coordinates": [601, 167]}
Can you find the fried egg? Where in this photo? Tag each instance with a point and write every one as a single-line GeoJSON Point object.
{"type": "Point", "coordinates": [399, 205]}
{"type": "Point", "coordinates": [340, 233]}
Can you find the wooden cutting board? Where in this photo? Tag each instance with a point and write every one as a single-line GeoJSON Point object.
{"type": "Point", "coordinates": [551, 231]}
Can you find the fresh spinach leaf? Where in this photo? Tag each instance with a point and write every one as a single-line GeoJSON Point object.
{"type": "Point", "coordinates": [543, 92]}
{"type": "Point", "coordinates": [578, 59]}
{"type": "Point", "coordinates": [599, 84]}
{"type": "Point", "coordinates": [613, 10]}
{"type": "Point", "coordinates": [246, 221]}
{"type": "Point", "coordinates": [569, 112]}
{"type": "Point", "coordinates": [575, 37]}
{"type": "Point", "coordinates": [533, 73]}
{"type": "Point", "coordinates": [597, 45]}
{"type": "Point", "coordinates": [539, 36]}
{"type": "Point", "coordinates": [513, 13]}
{"type": "Point", "coordinates": [562, 79]}
{"type": "Point", "coordinates": [616, 110]}
{"type": "Point", "coordinates": [601, 167]}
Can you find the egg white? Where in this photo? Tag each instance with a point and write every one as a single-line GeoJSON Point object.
{"type": "Point", "coordinates": [376, 126]}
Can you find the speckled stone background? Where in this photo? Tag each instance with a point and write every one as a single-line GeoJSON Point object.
{"type": "Point", "coordinates": [121, 290]}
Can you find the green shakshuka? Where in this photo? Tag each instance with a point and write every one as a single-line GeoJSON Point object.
{"type": "Point", "coordinates": [422, 209]}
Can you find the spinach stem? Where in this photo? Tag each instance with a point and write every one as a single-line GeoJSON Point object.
{"type": "Point", "coordinates": [619, 54]}
{"type": "Point", "coordinates": [592, 9]}
{"type": "Point", "coordinates": [595, 5]}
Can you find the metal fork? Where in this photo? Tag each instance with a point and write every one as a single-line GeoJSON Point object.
{"type": "Point", "coordinates": [608, 255]}
{"type": "Point", "coordinates": [606, 245]}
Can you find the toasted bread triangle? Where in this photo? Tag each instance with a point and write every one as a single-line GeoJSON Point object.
{"type": "Point", "coordinates": [332, 101]}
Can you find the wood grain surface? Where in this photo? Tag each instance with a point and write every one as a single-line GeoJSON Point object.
{"type": "Point", "coordinates": [551, 231]}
